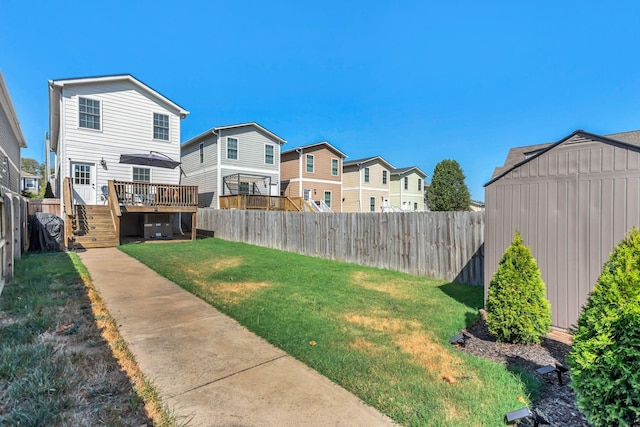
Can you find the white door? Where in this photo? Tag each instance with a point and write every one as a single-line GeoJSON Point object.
{"type": "Point", "coordinates": [307, 195]}
{"type": "Point", "coordinates": [84, 183]}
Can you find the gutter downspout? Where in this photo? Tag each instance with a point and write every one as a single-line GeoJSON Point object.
{"type": "Point", "coordinates": [299, 151]}
{"type": "Point", "coordinates": [359, 187]}
{"type": "Point", "coordinates": [218, 166]}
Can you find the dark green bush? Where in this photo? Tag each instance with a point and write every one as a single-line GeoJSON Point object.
{"type": "Point", "coordinates": [605, 357]}
{"type": "Point", "coordinates": [517, 308]}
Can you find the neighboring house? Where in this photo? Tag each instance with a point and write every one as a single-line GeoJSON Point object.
{"type": "Point", "coordinates": [117, 142]}
{"type": "Point", "coordinates": [11, 141]}
{"type": "Point", "coordinates": [29, 182]}
{"type": "Point", "coordinates": [476, 206]}
{"type": "Point", "coordinates": [234, 159]}
{"type": "Point", "coordinates": [95, 120]}
{"type": "Point", "coordinates": [572, 201]}
{"type": "Point", "coordinates": [407, 189]}
{"type": "Point", "coordinates": [313, 172]}
{"type": "Point", "coordinates": [366, 184]}
{"type": "Point", "coordinates": [12, 208]}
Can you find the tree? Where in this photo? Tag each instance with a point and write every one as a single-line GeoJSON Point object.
{"type": "Point", "coordinates": [605, 355]}
{"type": "Point", "coordinates": [517, 308]}
{"type": "Point", "coordinates": [447, 191]}
{"type": "Point", "coordinates": [34, 167]}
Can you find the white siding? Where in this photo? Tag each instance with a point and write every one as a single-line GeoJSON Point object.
{"type": "Point", "coordinates": [127, 128]}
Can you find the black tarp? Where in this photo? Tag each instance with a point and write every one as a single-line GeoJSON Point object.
{"type": "Point", "coordinates": [47, 232]}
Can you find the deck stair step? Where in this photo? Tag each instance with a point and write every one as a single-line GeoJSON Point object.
{"type": "Point", "coordinates": [93, 228]}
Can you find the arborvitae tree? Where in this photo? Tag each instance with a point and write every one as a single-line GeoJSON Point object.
{"type": "Point", "coordinates": [517, 308]}
{"type": "Point", "coordinates": [448, 191]}
{"type": "Point", "coordinates": [605, 356]}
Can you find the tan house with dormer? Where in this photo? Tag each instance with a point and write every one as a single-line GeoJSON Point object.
{"type": "Point", "coordinates": [366, 184]}
{"type": "Point", "coordinates": [407, 189]}
{"type": "Point", "coordinates": [313, 172]}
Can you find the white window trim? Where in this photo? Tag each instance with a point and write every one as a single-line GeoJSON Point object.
{"type": "Point", "coordinates": [385, 177]}
{"type": "Point", "coordinates": [313, 163]}
{"type": "Point", "coordinates": [201, 152]}
{"type": "Point", "coordinates": [337, 168]}
{"type": "Point", "coordinates": [273, 155]}
{"type": "Point", "coordinates": [366, 175]}
{"type": "Point", "coordinates": [142, 167]}
{"type": "Point", "coordinates": [101, 113]}
{"type": "Point", "coordinates": [324, 197]}
{"type": "Point", "coordinates": [405, 183]}
{"type": "Point", "coordinates": [237, 148]}
{"type": "Point", "coordinates": [372, 198]}
{"type": "Point", "coordinates": [153, 125]}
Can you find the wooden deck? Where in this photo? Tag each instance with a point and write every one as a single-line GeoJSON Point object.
{"type": "Point", "coordinates": [264, 203]}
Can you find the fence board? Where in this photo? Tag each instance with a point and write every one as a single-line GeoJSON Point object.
{"type": "Point", "coordinates": [443, 245]}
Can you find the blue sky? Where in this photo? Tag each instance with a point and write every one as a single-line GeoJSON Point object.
{"type": "Point", "coordinates": [413, 81]}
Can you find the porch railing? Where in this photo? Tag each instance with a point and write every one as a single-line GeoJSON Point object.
{"type": "Point", "coordinates": [154, 194]}
{"type": "Point", "coordinates": [259, 202]}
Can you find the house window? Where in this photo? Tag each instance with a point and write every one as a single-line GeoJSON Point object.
{"type": "Point", "coordinates": [201, 149]}
{"type": "Point", "coordinates": [30, 183]}
{"type": "Point", "coordinates": [372, 204]}
{"type": "Point", "coordinates": [232, 148]}
{"type": "Point", "coordinates": [141, 175]}
{"type": "Point", "coordinates": [366, 174]}
{"type": "Point", "coordinates": [384, 177]}
{"type": "Point", "coordinates": [160, 126]}
{"type": "Point", "coordinates": [309, 163]}
{"type": "Point", "coordinates": [419, 184]}
{"type": "Point", "coordinates": [415, 206]}
{"type": "Point", "coordinates": [244, 188]}
{"type": "Point", "coordinates": [89, 113]}
{"type": "Point", "coordinates": [406, 182]}
{"type": "Point", "coordinates": [81, 174]}
{"type": "Point", "coordinates": [268, 154]}
{"type": "Point", "coordinates": [334, 167]}
{"type": "Point", "coordinates": [327, 198]}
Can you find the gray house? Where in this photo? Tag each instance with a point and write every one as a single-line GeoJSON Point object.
{"type": "Point", "coordinates": [230, 160]}
{"type": "Point", "coordinates": [572, 201]}
{"type": "Point", "coordinates": [12, 206]}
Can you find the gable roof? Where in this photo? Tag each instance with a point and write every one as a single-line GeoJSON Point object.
{"type": "Point", "coordinates": [329, 146]}
{"type": "Point", "coordinates": [401, 171]}
{"type": "Point", "coordinates": [24, 174]}
{"type": "Point", "coordinates": [7, 105]}
{"type": "Point", "coordinates": [520, 155]}
{"type": "Point", "coordinates": [55, 93]}
{"type": "Point", "coordinates": [366, 160]}
{"type": "Point", "coordinates": [215, 130]}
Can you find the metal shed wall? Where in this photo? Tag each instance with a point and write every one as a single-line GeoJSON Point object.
{"type": "Point", "coordinates": [572, 205]}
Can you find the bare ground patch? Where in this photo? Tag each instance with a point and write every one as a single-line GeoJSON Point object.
{"type": "Point", "coordinates": [376, 282]}
{"type": "Point", "coordinates": [200, 270]}
{"type": "Point", "coordinates": [236, 292]}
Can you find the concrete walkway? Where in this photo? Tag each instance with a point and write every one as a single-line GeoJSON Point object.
{"type": "Point", "coordinates": [205, 365]}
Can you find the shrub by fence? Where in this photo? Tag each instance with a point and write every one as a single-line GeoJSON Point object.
{"type": "Point", "coordinates": [442, 245]}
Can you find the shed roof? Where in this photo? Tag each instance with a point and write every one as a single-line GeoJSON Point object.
{"type": "Point", "coordinates": [518, 156]}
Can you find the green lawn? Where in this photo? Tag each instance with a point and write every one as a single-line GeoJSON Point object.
{"type": "Point", "coordinates": [380, 334]}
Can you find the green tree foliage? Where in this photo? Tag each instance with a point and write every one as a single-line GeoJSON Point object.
{"type": "Point", "coordinates": [448, 191]}
{"type": "Point", "coordinates": [35, 168]}
{"type": "Point", "coordinates": [517, 308]}
{"type": "Point", "coordinates": [605, 357]}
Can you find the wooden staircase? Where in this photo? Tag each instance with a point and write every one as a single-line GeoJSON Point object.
{"type": "Point", "coordinates": [93, 228]}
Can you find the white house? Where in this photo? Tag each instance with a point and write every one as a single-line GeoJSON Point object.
{"type": "Point", "coordinates": [234, 159]}
{"type": "Point", "coordinates": [29, 182]}
{"type": "Point", "coordinates": [95, 120]}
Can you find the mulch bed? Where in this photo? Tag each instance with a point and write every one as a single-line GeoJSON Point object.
{"type": "Point", "coordinates": [557, 402]}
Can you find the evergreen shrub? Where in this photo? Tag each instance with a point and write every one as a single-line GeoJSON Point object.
{"type": "Point", "coordinates": [517, 309]}
{"type": "Point", "coordinates": [605, 356]}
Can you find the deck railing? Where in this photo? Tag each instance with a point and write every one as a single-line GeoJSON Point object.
{"type": "Point", "coordinates": [259, 202]}
{"type": "Point", "coordinates": [154, 194]}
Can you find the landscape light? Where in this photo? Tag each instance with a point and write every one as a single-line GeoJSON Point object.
{"type": "Point", "coordinates": [559, 369]}
{"type": "Point", "coordinates": [460, 338]}
{"type": "Point", "coordinates": [539, 418]}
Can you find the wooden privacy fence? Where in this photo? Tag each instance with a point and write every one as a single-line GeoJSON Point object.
{"type": "Point", "coordinates": [442, 245]}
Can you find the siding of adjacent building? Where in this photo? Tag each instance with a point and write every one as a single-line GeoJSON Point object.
{"type": "Point", "coordinates": [318, 182]}
{"type": "Point", "coordinates": [9, 153]}
{"type": "Point", "coordinates": [357, 193]}
{"type": "Point", "coordinates": [126, 128]}
{"type": "Point", "coordinates": [413, 196]}
{"type": "Point", "coordinates": [571, 205]}
{"type": "Point", "coordinates": [209, 175]}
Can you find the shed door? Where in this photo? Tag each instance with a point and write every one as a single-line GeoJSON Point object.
{"type": "Point", "coordinates": [84, 183]}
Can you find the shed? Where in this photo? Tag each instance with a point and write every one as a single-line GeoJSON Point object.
{"type": "Point", "coordinates": [572, 202]}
